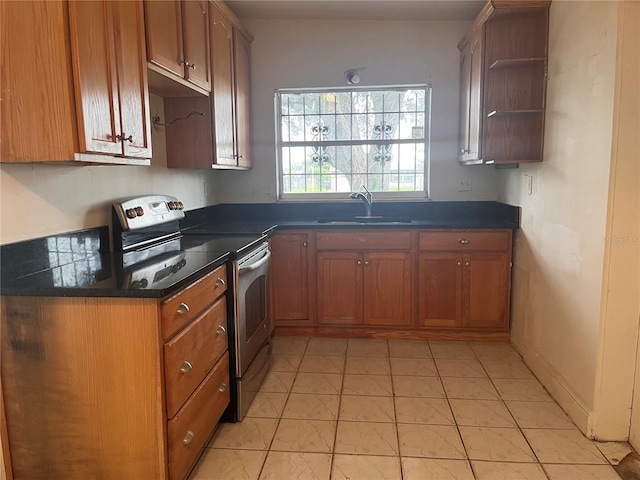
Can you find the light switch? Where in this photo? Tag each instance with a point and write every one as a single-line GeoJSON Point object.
{"type": "Point", "coordinates": [529, 184]}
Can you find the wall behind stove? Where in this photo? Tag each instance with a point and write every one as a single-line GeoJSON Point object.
{"type": "Point", "coordinates": [42, 199]}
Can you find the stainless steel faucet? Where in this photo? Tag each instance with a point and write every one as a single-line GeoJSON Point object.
{"type": "Point", "coordinates": [366, 198]}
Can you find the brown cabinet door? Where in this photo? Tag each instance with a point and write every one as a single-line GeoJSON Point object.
{"type": "Point", "coordinates": [222, 96]}
{"type": "Point", "coordinates": [486, 284]}
{"type": "Point", "coordinates": [387, 289]}
{"type": "Point", "coordinates": [241, 48]}
{"type": "Point", "coordinates": [163, 21]}
{"type": "Point", "coordinates": [289, 276]}
{"type": "Point", "coordinates": [440, 290]}
{"type": "Point", "coordinates": [339, 288]}
{"type": "Point", "coordinates": [95, 74]}
{"type": "Point", "coordinates": [132, 76]}
{"type": "Point", "coordinates": [195, 29]}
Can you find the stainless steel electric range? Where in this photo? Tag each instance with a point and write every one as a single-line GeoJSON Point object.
{"type": "Point", "coordinates": [156, 253]}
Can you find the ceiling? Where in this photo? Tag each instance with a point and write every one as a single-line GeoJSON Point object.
{"type": "Point", "coordinates": [357, 9]}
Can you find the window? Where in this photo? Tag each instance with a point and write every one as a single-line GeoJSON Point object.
{"type": "Point", "coordinates": [334, 141]}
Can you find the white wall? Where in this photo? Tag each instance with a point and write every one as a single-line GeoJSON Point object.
{"type": "Point", "coordinates": [42, 199]}
{"type": "Point", "coordinates": [316, 53]}
{"type": "Point", "coordinates": [558, 267]}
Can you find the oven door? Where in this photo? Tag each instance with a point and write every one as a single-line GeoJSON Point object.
{"type": "Point", "coordinates": [252, 306]}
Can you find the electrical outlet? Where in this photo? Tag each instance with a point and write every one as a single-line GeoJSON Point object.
{"type": "Point", "coordinates": [464, 185]}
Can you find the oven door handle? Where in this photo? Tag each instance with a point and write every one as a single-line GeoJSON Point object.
{"type": "Point", "coordinates": [255, 266]}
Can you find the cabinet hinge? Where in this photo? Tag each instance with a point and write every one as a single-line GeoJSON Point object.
{"type": "Point", "coordinates": [546, 72]}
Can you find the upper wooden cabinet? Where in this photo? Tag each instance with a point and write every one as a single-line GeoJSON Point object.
{"type": "Point", "coordinates": [178, 42]}
{"type": "Point", "coordinates": [74, 84]}
{"type": "Point", "coordinates": [503, 84]}
{"type": "Point", "coordinates": [221, 136]}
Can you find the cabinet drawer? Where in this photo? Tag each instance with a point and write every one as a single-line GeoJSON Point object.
{"type": "Point", "coordinates": [191, 354]}
{"type": "Point", "coordinates": [465, 241]}
{"type": "Point", "coordinates": [186, 305]}
{"type": "Point", "coordinates": [359, 240]}
{"type": "Point", "coordinates": [190, 429]}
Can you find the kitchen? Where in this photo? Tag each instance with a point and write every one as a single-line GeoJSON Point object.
{"type": "Point", "coordinates": [558, 308]}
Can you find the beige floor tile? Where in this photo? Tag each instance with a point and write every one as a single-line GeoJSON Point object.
{"type": "Point", "coordinates": [327, 346]}
{"type": "Point", "coordinates": [312, 407]}
{"type": "Point", "coordinates": [581, 472]}
{"type": "Point", "coordinates": [366, 409]}
{"type": "Point", "coordinates": [250, 434]}
{"type": "Point", "coordinates": [278, 382]}
{"type": "Point", "coordinates": [219, 464]}
{"type": "Point", "coordinates": [365, 467]}
{"type": "Point", "coordinates": [413, 366]}
{"type": "Point", "coordinates": [367, 438]}
{"type": "Point", "coordinates": [285, 363]}
{"type": "Point", "coordinates": [563, 446]}
{"type": "Point", "coordinates": [508, 471]}
{"type": "Point", "coordinates": [432, 411]}
{"type": "Point", "coordinates": [460, 368]}
{"type": "Point", "coordinates": [320, 383]}
{"type": "Point", "coordinates": [507, 368]}
{"type": "Point", "coordinates": [496, 444]}
{"type": "Point", "coordinates": [304, 436]}
{"type": "Point", "coordinates": [321, 364]}
{"type": "Point", "coordinates": [292, 465]}
{"type": "Point", "coordinates": [469, 388]}
{"type": "Point", "coordinates": [435, 469]}
{"type": "Point", "coordinates": [409, 348]}
{"type": "Point", "coordinates": [431, 441]}
{"type": "Point", "coordinates": [361, 347]}
{"type": "Point", "coordinates": [368, 366]}
{"type": "Point", "coordinates": [376, 385]}
{"type": "Point", "coordinates": [289, 345]}
{"type": "Point", "coordinates": [523, 390]}
{"type": "Point", "coordinates": [481, 413]}
{"type": "Point", "coordinates": [451, 350]}
{"type": "Point", "coordinates": [411, 386]}
{"type": "Point", "coordinates": [493, 350]}
{"type": "Point", "coordinates": [540, 415]}
{"type": "Point", "coordinates": [614, 452]}
{"type": "Point", "coordinates": [269, 405]}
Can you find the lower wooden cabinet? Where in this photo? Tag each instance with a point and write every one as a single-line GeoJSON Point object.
{"type": "Point", "coordinates": [397, 282]}
{"type": "Point", "coordinates": [93, 388]}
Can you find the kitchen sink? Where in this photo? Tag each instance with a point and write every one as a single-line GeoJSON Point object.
{"type": "Point", "coordinates": [377, 220]}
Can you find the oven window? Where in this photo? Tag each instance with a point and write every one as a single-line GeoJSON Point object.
{"type": "Point", "coordinates": [255, 304]}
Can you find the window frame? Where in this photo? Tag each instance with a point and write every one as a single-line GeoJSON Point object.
{"type": "Point", "coordinates": [387, 196]}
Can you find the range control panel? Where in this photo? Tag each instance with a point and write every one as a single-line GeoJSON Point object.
{"type": "Point", "coordinates": [140, 212]}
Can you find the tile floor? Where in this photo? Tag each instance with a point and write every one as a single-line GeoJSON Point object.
{"type": "Point", "coordinates": [402, 409]}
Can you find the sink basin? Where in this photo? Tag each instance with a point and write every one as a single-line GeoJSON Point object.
{"type": "Point", "coordinates": [366, 220]}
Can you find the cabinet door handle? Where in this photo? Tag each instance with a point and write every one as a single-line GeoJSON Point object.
{"type": "Point", "coordinates": [463, 151]}
{"type": "Point", "coordinates": [192, 66]}
{"type": "Point", "coordinates": [304, 244]}
{"type": "Point", "coordinates": [182, 309]}
{"type": "Point", "coordinates": [122, 138]}
{"type": "Point", "coordinates": [459, 263]}
{"type": "Point", "coordinates": [221, 329]}
{"type": "Point", "coordinates": [466, 264]}
{"type": "Point", "coordinates": [464, 241]}
{"type": "Point", "coordinates": [188, 438]}
{"type": "Point", "coordinates": [186, 367]}
{"type": "Point", "coordinates": [359, 262]}
{"type": "Point", "coordinates": [220, 282]}
{"type": "Point", "coordinates": [366, 264]}
{"type": "Point", "coordinates": [223, 387]}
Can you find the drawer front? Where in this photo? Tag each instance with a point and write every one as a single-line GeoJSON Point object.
{"type": "Point", "coordinates": [191, 354]}
{"type": "Point", "coordinates": [186, 305]}
{"type": "Point", "coordinates": [466, 241]}
{"type": "Point", "coordinates": [359, 240]}
{"type": "Point", "coordinates": [190, 429]}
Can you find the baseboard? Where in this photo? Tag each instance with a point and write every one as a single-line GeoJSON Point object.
{"type": "Point", "coordinates": [558, 388]}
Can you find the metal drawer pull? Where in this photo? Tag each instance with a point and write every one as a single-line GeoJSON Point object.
{"type": "Point", "coordinates": [188, 438]}
{"type": "Point", "coordinates": [182, 309]}
{"type": "Point", "coordinates": [221, 329]}
{"type": "Point", "coordinates": [220, 282]}
{"type": "Point", "coordinates": [459, 263]}
{"type": "Point", "coordinates": [223, 387]}
{"type": "Point", "coordinates": [463, 241]}
{"type": "Point", "coordinates": [304, 244]}
{"type": "Point", "coordinates": [366, 264]}
{"type": "Point", "coordinates": [359, 262]}
{"type": "Point", "coordinates": [466, 264]}
{"type": "Point", "coordinates": [186, 367]}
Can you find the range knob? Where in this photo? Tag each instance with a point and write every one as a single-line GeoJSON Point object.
{"type": "Point", "coordinates": [180, 206]}
{"type": "Point", "coordinates": [139, 211]}
{"type": "Point", "coordinates": [171, 205]}
{"type": "Point", "coordinates": [131, 213]}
